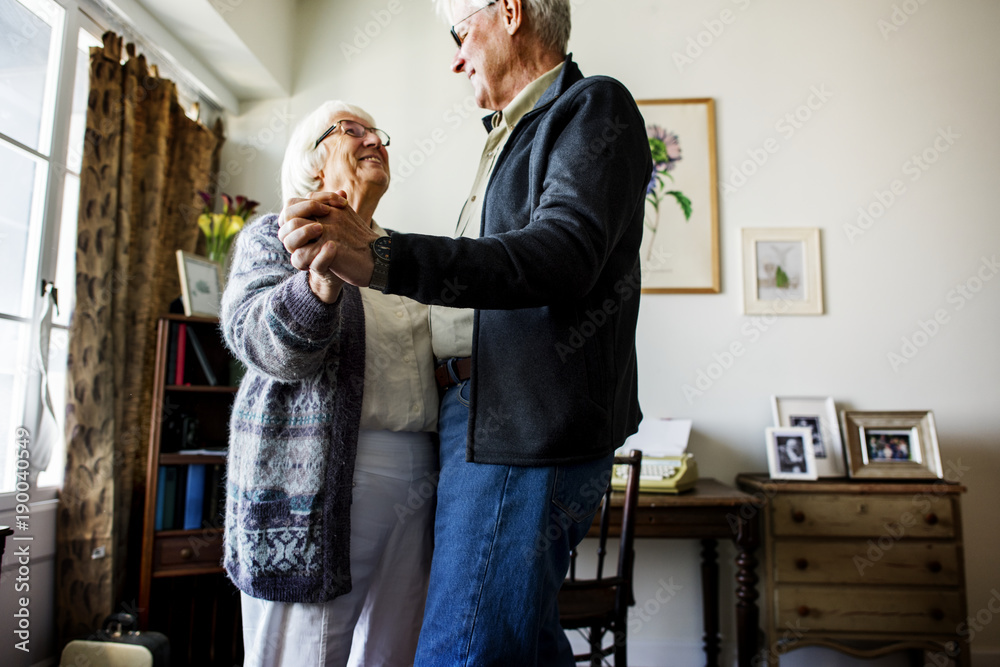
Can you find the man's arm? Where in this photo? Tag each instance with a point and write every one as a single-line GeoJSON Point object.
{"type": "Point", "coordinates": [590, 193]}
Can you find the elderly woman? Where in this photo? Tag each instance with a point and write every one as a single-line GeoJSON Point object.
{"type": "Point", "coordinates": [332, 467]}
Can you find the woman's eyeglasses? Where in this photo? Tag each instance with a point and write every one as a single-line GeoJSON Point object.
{"type": "Point", "coordinates": [354, 129]}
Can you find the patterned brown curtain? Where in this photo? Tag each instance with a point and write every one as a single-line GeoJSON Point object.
{"type": "Point", "coordinates": [144, 162]}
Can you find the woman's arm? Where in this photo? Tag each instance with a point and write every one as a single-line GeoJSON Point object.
{"type": "Point", "coordinates": [271, 319]}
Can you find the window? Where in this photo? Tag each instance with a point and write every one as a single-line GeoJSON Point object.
{"type": "Point", "coordinates": [44, 65]}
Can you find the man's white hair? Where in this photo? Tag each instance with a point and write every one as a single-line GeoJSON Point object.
{"type": "Point", "coordinates": [303, 159]}
{"type": "Point", "coordinates": [549, 18]}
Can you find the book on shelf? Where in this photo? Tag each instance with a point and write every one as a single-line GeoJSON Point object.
{"type": "Point", "coordinates": [161, 492]}
{"type": "Point", "coordinates": [180, 499]}
{"type": "Point", "coordinates": [168, 474]}
{"type": "Point", "coordinates": [208, 451]}
{"type": "Point", "coordinates": [215, 497]}
{"type": "Point", "coordinates": [171, 352]}
{"type": "Point", "coordinates": [194, 496]}
{"type": "Point", "coordinates": [199, 352]}
{"type": "Point", "coordinates": [181, 345]}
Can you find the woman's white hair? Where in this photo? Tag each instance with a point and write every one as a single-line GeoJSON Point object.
{"type": "Point", "coordinates": [549, 18]}
{"type": "Point", "coordinates": [303, 159]}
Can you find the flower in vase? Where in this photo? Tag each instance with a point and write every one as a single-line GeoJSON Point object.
{"type": "Point", "coordinates": [220, 229]}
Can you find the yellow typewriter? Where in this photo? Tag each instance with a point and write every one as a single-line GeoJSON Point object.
{"type": "Point", "coordinates": [666, 467]}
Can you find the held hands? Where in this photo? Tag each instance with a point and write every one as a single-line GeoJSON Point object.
{"type": "Point", "coordinates": [329, 239]}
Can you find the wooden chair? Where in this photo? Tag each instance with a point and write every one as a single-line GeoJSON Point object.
{"type": "Point", "coordinates": [601, 605]}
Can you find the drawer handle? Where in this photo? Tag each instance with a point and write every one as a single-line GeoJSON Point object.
{"type": "Point", "coordinates": [931, 519]}
{"type": "Point", "coordinates": [937, 614]}
{"type": "Point", "coordinates": [934, 566]}
{"type": "Point", "coordinates": [798, 516]}
{"type": "Point", "coordinates": [186, 553]}
{"type": "Point", "coordinates": [803, 611]}
{"type": "Point", "coordinates": [801, 563]}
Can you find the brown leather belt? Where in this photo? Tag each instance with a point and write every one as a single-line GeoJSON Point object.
{"type": "Point", "coordinates": [453, 371]}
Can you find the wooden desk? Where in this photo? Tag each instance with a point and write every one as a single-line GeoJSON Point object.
{"type": "Point", "coordinates": [709, 512]}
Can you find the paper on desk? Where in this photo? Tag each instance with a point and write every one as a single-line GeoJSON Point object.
{"type": "Point", "coordinates": [660, 437]}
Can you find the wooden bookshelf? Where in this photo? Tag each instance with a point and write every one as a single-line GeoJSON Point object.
{"type": "Point", "coordinates": [182, 584]}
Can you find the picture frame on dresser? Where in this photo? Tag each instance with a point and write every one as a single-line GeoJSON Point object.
{"type": "Point", "coordinates": [820, 415]}
{"type": "Point", "coordinates": [891, 445]}
{"type": "Point", "coordinates": [790, 453]}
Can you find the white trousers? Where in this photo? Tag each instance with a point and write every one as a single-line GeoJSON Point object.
{"type": "Point", "coordinates": [378, 622]}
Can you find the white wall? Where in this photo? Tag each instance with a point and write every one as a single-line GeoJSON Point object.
{"type": "Point", "coordinates": [889, 95]}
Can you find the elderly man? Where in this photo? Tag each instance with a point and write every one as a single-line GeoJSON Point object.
{"type": "Point", "coordinates": [540, 379]}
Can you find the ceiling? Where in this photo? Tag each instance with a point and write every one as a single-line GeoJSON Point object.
{"type": "Point", "coordinates": [237, 50]}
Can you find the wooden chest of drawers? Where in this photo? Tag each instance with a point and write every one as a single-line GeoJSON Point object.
{"type": "Point", "coordinates": [865, 568]}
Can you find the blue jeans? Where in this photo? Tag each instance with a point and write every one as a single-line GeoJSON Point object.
{"type": "Point", "coordinates": [502, 538]}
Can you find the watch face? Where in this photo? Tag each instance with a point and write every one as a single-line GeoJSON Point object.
{"type": "Point", "coordinates": [380, 247]}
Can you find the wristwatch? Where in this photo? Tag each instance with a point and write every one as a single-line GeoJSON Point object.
{"type": "Point", "coordinates": [380, 253]}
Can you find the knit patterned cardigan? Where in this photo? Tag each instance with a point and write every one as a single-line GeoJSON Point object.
{"type": "Point", "coordinates": [293, 431]}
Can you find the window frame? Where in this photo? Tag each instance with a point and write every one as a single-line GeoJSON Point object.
{"type": "Point", "coordinates": [41, 270]}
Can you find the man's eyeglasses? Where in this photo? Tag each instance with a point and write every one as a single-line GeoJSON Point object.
{"type": "Point", "coordinates": [356, 130]}
{"type": "Point", "coordinates": [454, 35]}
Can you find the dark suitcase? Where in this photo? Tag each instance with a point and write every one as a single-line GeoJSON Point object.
{"type": "Point", "coordinates": [118, 644]}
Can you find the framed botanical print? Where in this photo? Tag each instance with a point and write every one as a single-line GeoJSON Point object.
{"type": "Point", "coordinates": [680, 243]}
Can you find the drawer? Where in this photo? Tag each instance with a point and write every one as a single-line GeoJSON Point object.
{"type": "Point", "coordinates": [836, 515]}
{"type": "Point", "coordinates": [858, 609]}
{"type": "Point", "coordinates": [866, 562]}
{"type": "Point", "coordinates": [183, 553]}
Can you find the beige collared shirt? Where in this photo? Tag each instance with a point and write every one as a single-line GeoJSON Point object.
{"type": "Point", "coordinates": [451, 328]}
{"type": "Point", "coordinates": [400, 391]}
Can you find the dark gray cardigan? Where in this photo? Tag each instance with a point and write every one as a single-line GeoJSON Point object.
{"type": "Point", "coordinates": [554, 278]}
{"type": "Point", "coordinates": [293, 432]}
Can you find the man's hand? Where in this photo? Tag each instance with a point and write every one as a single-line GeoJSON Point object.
{"type": "Point", "coordinates": [325, 224]}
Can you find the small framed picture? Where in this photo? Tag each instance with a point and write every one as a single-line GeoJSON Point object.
{"type": "Point", "coordinates": [201, 285]}
{"type": "Point", "coordinates": [781, 272]}
{"type": "Point", "coordinates": [891, 445]}
{"type": "Point", "coordinates": [820, 416]}
{"type": "Point", "coordinates": [790, 453]}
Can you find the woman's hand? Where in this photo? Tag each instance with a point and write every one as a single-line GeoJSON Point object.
{"type": "Point", "coordinates": [307, 225]}
{"type": "Point", "coordinates": [323, 282]}
{"type": "Point", "coordinates": [310, 246]}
